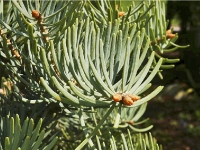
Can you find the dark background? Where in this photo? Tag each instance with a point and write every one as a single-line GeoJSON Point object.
{"type": "Point", "coordinates": [175, 112]}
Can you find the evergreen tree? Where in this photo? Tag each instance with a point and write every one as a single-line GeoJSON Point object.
{"type": "Point", "coordinates": [76, 73]}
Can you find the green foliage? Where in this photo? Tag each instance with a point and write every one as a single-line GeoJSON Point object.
{"type": "Point", "coordinates": [65, 60]}
{"type": "Point", "coordinates": [22, 137]}
{"type": "Point", "coordinates": [26, 125]}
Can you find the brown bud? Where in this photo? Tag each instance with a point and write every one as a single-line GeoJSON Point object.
{"type": "Point", "coordinates": [42, 29]}
{"type": "Point", "coordinates": [168, 32]}
{"type": "Point", "coordinates": [134, 97]}
{"type": "Point", "coordinates": [8, 41]}
{"type": "Point", "coordinates": [1, 32]}
{"type": "Point", "coordinates": [120, 13]}
{"type": "Point", "coordinates": [130, 122]}
{"type": "Point", "coordinates": [127, 100]}
{"type": "Point", "coordinates": [35, 14]}
{"type": "Point", "coordinates": [40, 19]}
{"type": "Point", "coordinates": [15, 52]}
{"type": "Point", "coordinates": [170, 36]}
{"type": "Point", "coordinates": [117, 97]}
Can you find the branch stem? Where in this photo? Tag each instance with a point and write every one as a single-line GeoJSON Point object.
{"type": "Point", "coordinates": [97, 127]}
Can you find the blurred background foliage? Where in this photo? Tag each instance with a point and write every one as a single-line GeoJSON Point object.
{"type": "Point", "coordinates": [177, 114]}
